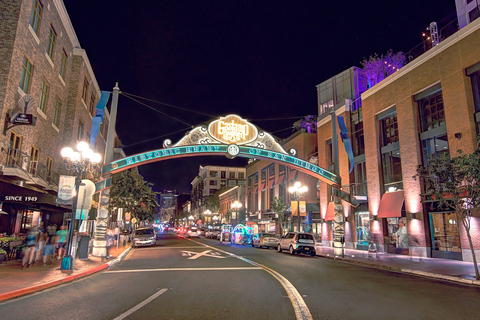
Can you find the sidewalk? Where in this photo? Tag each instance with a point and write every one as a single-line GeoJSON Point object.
{"type": "Point", "coordinates": [445, 269]}
{"type": "Point", "coordinates": [15, 282]}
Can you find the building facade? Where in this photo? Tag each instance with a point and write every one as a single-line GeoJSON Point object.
{"type": "Point", "coordinates": [45, 74]}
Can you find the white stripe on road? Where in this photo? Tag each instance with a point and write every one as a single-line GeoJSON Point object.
{"type": "Point", "coordinates": [140, 305]}
{"type": "Point", "coordinates": [185, 269]}
{"type": "Point", "coordinates": [299, 306]}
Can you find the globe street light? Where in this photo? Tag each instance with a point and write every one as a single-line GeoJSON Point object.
{"type": "Point", "coordinates": [215, 218]}
{"type": "Point", "coordinates": [236, 208]}
{"type": "Point", "coordinates": [298, 191]}
{"type": "Point", "coordinates": [79, 162]}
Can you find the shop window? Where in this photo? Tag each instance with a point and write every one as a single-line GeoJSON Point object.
{"type": "Point", "coordinates": [36, 15]}
{"type": "Point", "coordinates": [445, 233]}
{"type": "Point", "coordinates": [362, 221]}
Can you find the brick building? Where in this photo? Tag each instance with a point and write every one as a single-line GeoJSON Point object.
{"type": "Point", "coordinates": [41, 62]}
{"type": "Point", "coordinates": [429, 106]}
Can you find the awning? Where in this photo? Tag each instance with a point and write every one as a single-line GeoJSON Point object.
{"type": "Point", "coordinates": [292, 175]}
{"type": "Point", "coordinates": [280, 179]}
{"type": "Point", "coordinates": [330, 215]}
{"type": "Point", "coordinates": [271, 182]}
{"type": "Point", "coordinates": [262, 187]}
{"type": "Point", "coordinates": [391, 205]}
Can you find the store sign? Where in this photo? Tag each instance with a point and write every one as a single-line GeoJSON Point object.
{"type": "Point", "coordinates": [232, 129]}
{"type": "Point", "coordinates": [13, 198]}
{"type": "Point", "coordinates": [66, 190]}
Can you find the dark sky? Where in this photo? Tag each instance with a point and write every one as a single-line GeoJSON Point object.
{"type": "Point", "coordinates": [260, 59]}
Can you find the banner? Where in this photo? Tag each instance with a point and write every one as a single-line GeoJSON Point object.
{"type": "Point", "coordinates": [294, 206]}
{"type": "Point", "coordinates": [303, 208]}
{"type": "Point", "coordinates": [66, 190]}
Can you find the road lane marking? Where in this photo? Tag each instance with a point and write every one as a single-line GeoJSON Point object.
{"type": "Point", "coordinates": [207, 253]}
{"type": "Point", "coordinates": [299, 306]}
{"type": "Point", "coordinates": [140, 305]}
{"type": "Point", "coordinates": [184, 269]}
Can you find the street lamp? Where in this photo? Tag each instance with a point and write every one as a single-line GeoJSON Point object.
{"type": "Point", "coordinates": [236, 208]}
{"type": "Point", "coordinates": [79, 162]}
{"type": "Point", "coordinates": [191, 219]}
{"type": "Point", "coordinates": [298, 191]}
{"type": "Point", "coordinates": [215, 218]}
{"type": "Point", "coordinates": [207, 214]}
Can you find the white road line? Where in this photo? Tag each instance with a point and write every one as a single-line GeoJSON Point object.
{"type": "Point", "coordinates": [169, 248]}
{"type": "Point", "coordinates": [140, 305]}
{"type": "Point", "coordinates": [299, 306]}
{"type": "Point", "coordinates": [185, 269]}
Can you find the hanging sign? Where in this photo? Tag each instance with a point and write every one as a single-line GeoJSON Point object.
{"type": "Point", "coordinates": [66, 190]}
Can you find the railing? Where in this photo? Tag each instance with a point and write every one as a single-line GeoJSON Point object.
{"type": "Point", "coordinates": [18, 159]}
{"type": "Point", "coordinates": [356, 189]}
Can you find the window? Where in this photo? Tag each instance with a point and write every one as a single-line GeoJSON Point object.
{"type": "Point", "coordinates": [42, 101]}
{"type": "Point", "coordinates": [249, 181]}
{"type": "Point", "coordinates": [49, 168]}
{"type": "Point", "coordinates": [213, 182]}
{"type": "Point", "coordinates": [264, 199]}
{"type": "Point", "coordinates": [329, 154]}
{"type": "Point", "coordinates": [56, 112]}
{"type": "Point", "coordinates": [34, 154]}
{"type": "Point", "coordinates": [231, 175]}
{"type": "Point", "coordinates": [223, 174]}
{"type": "Point", "coordinates": [241, 183]}
{"type": "Point", "coordinates": [271, 196]}
{"type": "Point", "coordinates": [391, 159]}
{"type": "Point", "coordinates": [85, 89]}
{"type": "Point", "coordinates": [213, 174]}
{"type": "Point", "coordinates": [14, 150]}
{"type": "Point", "coordinates": [434, 146]}
{"type": "Point", "coordinates": [281, 168]}
{"type": "Point", "coordinates": [63, 65]}
{"type": "Point", "coordinates": [80, 130]}
{"type": "Point", "coordinates": [26, 77]}
{"type": "Point", "coordinates": [357, 134]}
{"type": "Point", "coordinates": [264, 174]}
{"type": "Point", "coordinates": [52, 38]}
{"type": "Point", "coordinates": [282, 191]}
{"type": "Point", "coordinates": [232, 183]}
{"type": "Point", "coordinates": [241, 175]}
{"type": "Point", "coordinates": [432, 114]}
{"type": "Point", "coordinates": [255, 178]}
{"type": "Point", "coordinates": [271, 170]}
{"type": "Point", "coordinates": [92, 105]}
{"type": "Point", "coordinates": [390, 129]}
{"type": "Point", "coordinates": [474, 73]}
{"type": "Point", "coordinates": [474, 14]}
{"type": "Point", "coordinates": [105, 128]}
{"type": "Point", "coordinates": [36, 15]}
{"type": "Point", "coordinates": [87, 137]}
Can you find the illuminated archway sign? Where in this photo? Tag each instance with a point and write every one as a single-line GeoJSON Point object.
{"type": "Point", "coordinates": [231, 136]}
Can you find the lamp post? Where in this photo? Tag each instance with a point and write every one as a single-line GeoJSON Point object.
{"type": "Point", "coordinates": [298, 191]}
{"type": "Point", "coordinates": [79, 162]}
{"type": "Point", "coordinates": [207, 214]}
{"type": "Point", "coordinates": [236, 208]}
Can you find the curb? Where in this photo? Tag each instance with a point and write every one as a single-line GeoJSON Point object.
{"type": "Point", "coordinates": [426, 274]}
{"type": "Point", "coordinates": [43, 286]}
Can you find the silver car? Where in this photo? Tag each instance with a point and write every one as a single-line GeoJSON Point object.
{"type": "Point", "coordinates": [144, 237]}
{"type": "Point", "coordinates": [297, 242]}
{"type": "Point", "coordinates": [267, 240]}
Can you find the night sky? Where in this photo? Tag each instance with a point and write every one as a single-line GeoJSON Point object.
{"type": "Point", "coordinates": [197, 60]}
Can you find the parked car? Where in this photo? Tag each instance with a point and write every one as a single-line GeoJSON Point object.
{"type": "Point", "coordinates": [297, 242]}
{"type": "Point", "coordinates": [268, 240]}
{"type": "Point", "coordinates": [144, 237]}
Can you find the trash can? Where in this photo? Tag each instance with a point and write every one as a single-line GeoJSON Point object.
{"type": "Point", "coordinates": [83, 247]}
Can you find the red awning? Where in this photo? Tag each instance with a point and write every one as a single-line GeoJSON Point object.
{"type": "Point", "coordinates": [271, 182]}
{"type": "Point", "coordinates": [292, 175]}
{"type": "Point", "coordinates": [280, 179]}
{"type": "Point", "coordinates": [262, 187]}
{"type": "Point", "coordinates": [391, 205]}
{"type": "Point", "coordinates": [330, 215]}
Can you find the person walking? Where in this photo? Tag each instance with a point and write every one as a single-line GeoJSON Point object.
{"type": "Point", "coordinates": [61, 241]}
{"type": "Point", "coordinates": [31, 244]}
{"type": "Point", "coordinates": [110, 238]}
{"type": "Point", "coordinates": [49, 249]}
{"type": "Point", "coordinates": [40, 243]}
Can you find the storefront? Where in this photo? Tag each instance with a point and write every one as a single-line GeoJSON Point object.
{"type": "Point", "coordinates": [23, 208]}
{"type": "Point", "coordinates": [392, 213]}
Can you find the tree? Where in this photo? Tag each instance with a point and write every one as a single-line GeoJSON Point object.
{"type": "Point", "coordinates": [212, 202]}
{"type": "Point", "coordinates": [308, 123]}
{"type": "Point", "coordinates": [454, 182]}
{"type": "Point", "coordinates": [378, 68]}
{"type": "Point", "coordinates": [132, 193]}
{"type": "Point", "coordinates": [278, 206]}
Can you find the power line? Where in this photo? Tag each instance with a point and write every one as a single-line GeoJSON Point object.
{"type": "Point", "coordinates": [159, 137]}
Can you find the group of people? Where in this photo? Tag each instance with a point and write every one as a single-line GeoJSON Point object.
{"type": "Point", "coordinates": [44, 245]}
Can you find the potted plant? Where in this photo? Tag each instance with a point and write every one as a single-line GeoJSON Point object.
{"type": "Point", "coordinates": [3, 253]}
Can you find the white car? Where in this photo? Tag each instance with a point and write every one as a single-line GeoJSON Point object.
{"type": "Point", "coordinates": [193, 232]}
{"type": "Point", "coordinates": [268, 240]}
{"type": "Point", "coordinates": [297, 242]}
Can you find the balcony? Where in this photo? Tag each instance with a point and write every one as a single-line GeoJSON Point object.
{"type": "Point", "coordinates": [19, 168]}
{"type": "Point", "coordinates": [357, 190]}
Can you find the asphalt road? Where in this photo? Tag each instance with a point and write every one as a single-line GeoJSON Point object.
{"type": "Point", "coordinates": [203, 279]}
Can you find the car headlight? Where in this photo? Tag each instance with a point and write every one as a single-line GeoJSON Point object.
{"type": "Point", "coordinates": [152, 238]}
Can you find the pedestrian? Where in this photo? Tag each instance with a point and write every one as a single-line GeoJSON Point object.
{"type": "Point", "coordinates": [40, 243]}
{"type": "Point", "coordinates": [109, 237]}
{"type": "Point", "coordinates": [401, 237]}
{"type": "Point", "coordinates": [49, 249]}
{"type": "Point", "coordinates": [61, 241]}
{"type": "Point", "coordinates": [31, 244]}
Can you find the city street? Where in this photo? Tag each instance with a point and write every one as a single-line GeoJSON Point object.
{"type": "Point", "coordinates": [203, 279]}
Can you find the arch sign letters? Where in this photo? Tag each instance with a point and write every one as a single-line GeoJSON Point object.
{"type": "Point", "coordinates": [231, 136]}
